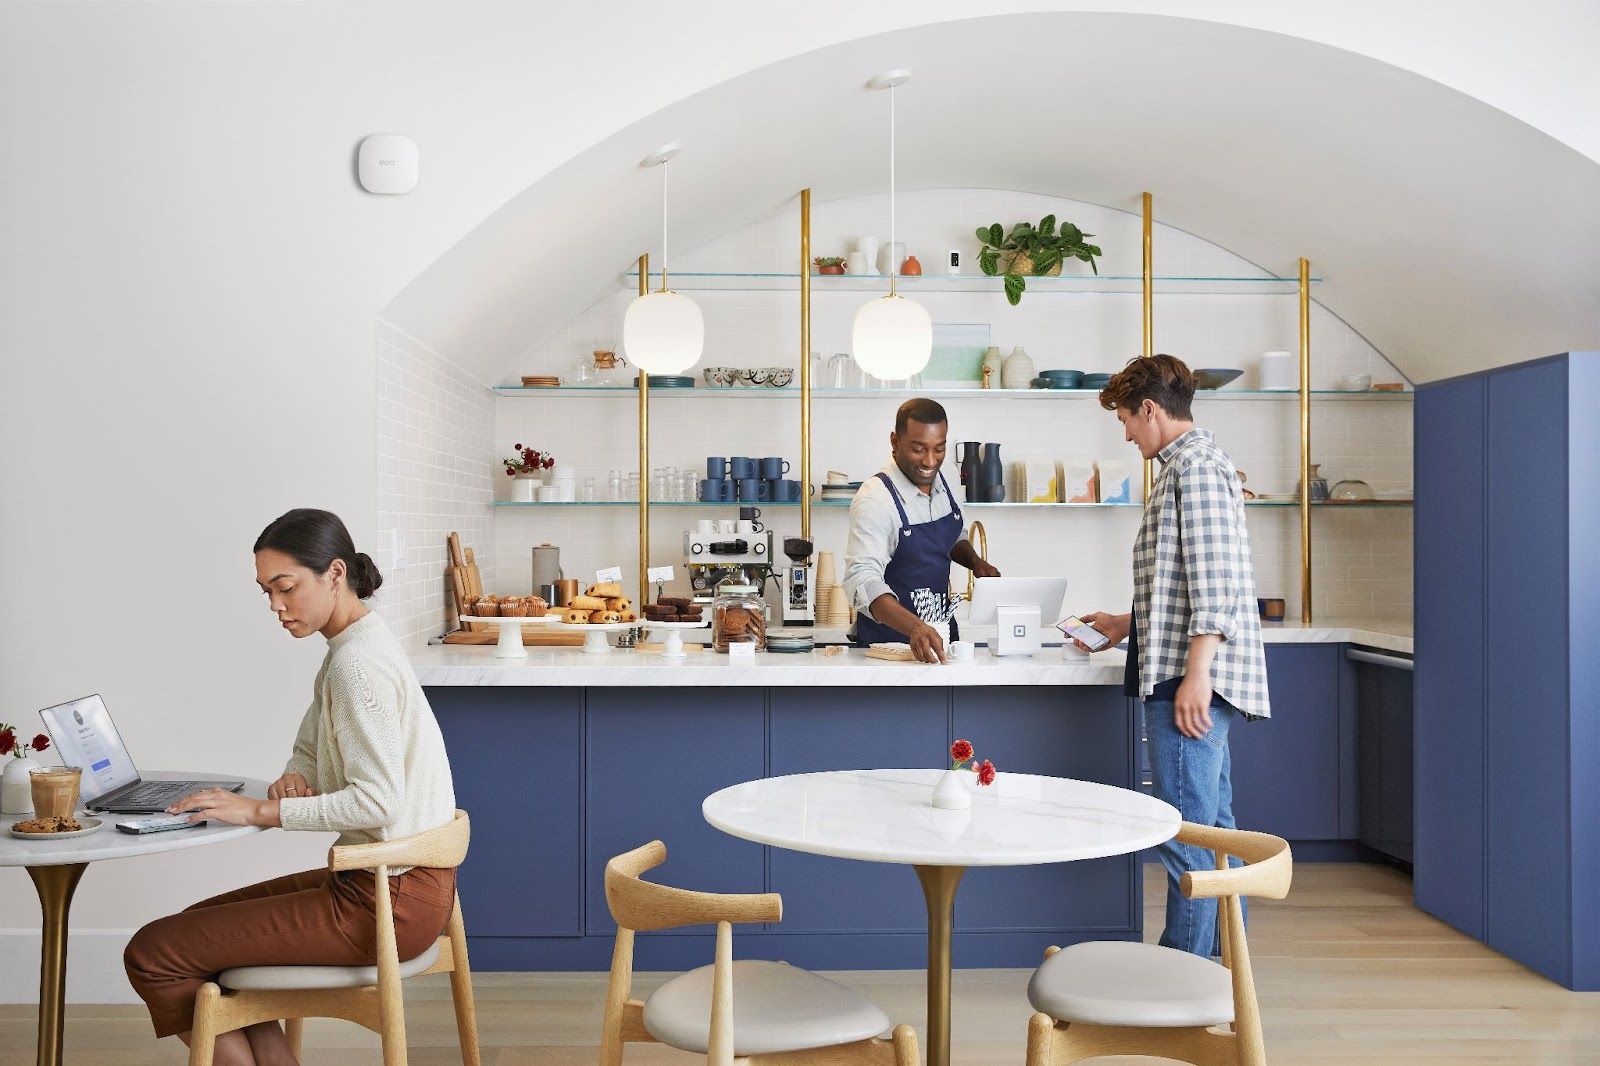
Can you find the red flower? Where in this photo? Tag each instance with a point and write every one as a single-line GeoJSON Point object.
{"type": "Point", "coordinates": [510, 472]}
{"type": "Point", "coordinates": [961, 751]}
{"type": "Point", "coordinates": [8, 741]}
{"type": "Point", "coordinates": [41, 742]}
{"type": "Point", "coordinates": [986, 772]}
{"type": "Point", "coordinates": [516, 447]}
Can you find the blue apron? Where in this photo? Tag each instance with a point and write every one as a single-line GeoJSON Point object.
{"type": "Point", "coordinates": [920, 561]}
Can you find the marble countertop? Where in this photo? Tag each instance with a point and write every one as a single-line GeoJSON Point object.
{"type": "Point", "coordinates": [474, 665]}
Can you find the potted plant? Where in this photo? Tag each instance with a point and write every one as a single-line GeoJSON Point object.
{"type": "Point", "coordinates": [1032, 250]}
{"type": "Point", "coordinates": [829, 264]}
{"type": "Point", "coordinates": [527, 467]}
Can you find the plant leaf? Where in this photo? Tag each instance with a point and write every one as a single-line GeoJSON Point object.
{"type": "Point", "coordinates": [996, 234]}
{"type": "Point", "coordinates": [1045, 259]}
{"type": "Point", "coordinates": [988, 261]}
{"type": "Point", "coordinates": [1015, 285]}
{"type": "Point", "coordinates": [1047, 225]}
{"type": "Point", "coordinates": [1071, 234]}
{"type": "Point", "coordinates": [983, 235]}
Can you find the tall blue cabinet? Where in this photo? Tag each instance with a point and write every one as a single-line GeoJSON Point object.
{"type": "Point", "coordinates": [1508, 661]}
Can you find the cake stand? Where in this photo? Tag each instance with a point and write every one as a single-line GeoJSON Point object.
{"type": "Point", "coordinates": [594, 634]}
{"type": "Point", "coordinates": [673, 647]}
{"type": "Point", "coordinates": [510, 645]}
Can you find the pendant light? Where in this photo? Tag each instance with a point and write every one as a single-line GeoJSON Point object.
{"type": "Point", "coordinates": [893, 336]}
{"type": "Point", "coordinates": [663, 332]}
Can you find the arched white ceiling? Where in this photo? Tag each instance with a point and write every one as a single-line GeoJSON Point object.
{"type": "Point", "coordinates": [1453, 236]}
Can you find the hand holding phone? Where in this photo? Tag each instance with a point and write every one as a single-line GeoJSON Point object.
{"type": "Point", "coordinates": [1075, 628]}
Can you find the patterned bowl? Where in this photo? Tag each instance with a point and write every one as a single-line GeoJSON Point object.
{"type": "Point", "coordinates": [779, 376]}
{"type": "Point", "coordinates": [722, 377]}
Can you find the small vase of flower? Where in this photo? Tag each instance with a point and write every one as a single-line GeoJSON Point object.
{"type": "Point", "coordinates": [527, 468]}
{"type": "Point", "coordinates": [953, 792]}
{"type": "Point", "coordinates": [16, 791]}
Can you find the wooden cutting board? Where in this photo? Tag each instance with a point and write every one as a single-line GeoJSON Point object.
{"type": "Point", "coordinates": [897, 653]}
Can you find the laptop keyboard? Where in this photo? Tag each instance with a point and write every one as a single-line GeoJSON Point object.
{"type": "Point", "coordinates": [156, 793]}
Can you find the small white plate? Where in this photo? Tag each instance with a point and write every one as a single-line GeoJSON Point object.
{"type": "Point", "coordinates": [90, 824]}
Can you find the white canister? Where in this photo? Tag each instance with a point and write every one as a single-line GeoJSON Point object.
{"type": "Point", "coordinates": [890, 256]}
{"type": "Point", "coordinates": [1280, 371]}
{"type": "Point", "coordinates": [522, 489]}
{"type": "Point", "coordinates": [867, 246]}
{"type": "Point", "coordinates": [549, 493]}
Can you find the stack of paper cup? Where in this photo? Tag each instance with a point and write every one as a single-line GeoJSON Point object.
{"type": "Point", "coordinates": [565, 481]}
{"type": "Point", "coordinates": [838, 607]}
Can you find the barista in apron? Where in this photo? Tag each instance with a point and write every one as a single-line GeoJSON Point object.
{"type": "Point", "coordinates": [905, 531]}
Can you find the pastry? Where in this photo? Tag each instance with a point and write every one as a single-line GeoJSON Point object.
{"type": "Point", "coordinates": [587, 603]}
{"type": "Point", "coordinates": [536, 606]}
{"type": "Point", "coordinates": [676, 602]}
{"type": "Point", "coordinates": [657, 613]}
{"type": "Point", "coordinates": [573, 617]}
{"type": "Point", "coordinates": [618, 603]}
{"type": "Point", "coordinates": [628, 616]}
{"type": "Point", "coordinates": [604, 617]}
{"type": "Point", "coordinates": [605, 589]}
{"type": "Point", "coordinates": [487, 607]}
{"type": "Point", "coordinates": [49, 825]}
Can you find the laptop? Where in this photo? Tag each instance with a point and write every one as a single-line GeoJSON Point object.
{"type": "Point", "coordinates": [988, 593]}
{"type": "Point", "coordinates": [85, 736]}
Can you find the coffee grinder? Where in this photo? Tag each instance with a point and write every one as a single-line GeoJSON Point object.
{"type": "Point", "coordinates": [799, 583]}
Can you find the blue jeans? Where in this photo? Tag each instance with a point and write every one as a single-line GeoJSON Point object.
{"type": "Point", "coordinates": [1194, 776]}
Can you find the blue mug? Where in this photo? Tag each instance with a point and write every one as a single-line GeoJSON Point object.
{"type": "Point", "coordinates": [752, 490]}
{"type": "Point", "coordinates": [773, 468]}
{"type": "Point", "coordinates": [786, 491]}
{"type": "Point", "coordinates": [716, 468]}
{"type": "Point", "coordinates": [725, 490]}
{"type": "Point", "coordinates": [711, 490]}
{"type": "Point", "coordinates": [740, 468]}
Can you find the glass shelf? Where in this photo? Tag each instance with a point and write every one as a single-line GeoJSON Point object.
{"type": "Point", "coordinates": [691, 280]}
{"type": "Point", "coordinates": [843, 504]}
{"type": "Point", "coordinates": [1339, 505]}
{"type": "Point", "coordinates": [1206, 395]}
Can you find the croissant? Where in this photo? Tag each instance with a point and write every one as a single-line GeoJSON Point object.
{"type": "Point", "coordinates": [587, 603]}
{"type": "Point", "coordinates": [605, 589]}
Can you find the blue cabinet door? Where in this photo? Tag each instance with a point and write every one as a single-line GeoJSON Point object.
{"type": "Point", "coordinates": [518, 753]}
{"type": "Point", "coordinates": [852, 729]}
{"type": "Point", "coordinates": [653, 755]}
{"type": "Point", "coordinates": [1086, 733]}
{"type": "Point", "coordinates": [1450, 651]}
{"type": "Point", "coordinates": [1286, 769]}
{"type": "Point", "coordinates": [1528, 833]}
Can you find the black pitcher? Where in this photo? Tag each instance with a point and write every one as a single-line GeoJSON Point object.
{"type": "Point", "coordinates": [992, 476]}
{"type": "Point", "coordinates": [970, 460]}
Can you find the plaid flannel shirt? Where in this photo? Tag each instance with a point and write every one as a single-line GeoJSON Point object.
{"type": "Point", "coordinates": [1192, 575]}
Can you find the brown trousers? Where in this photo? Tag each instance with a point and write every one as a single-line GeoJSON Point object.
{"type": "Point", "coordinates": [315, 918]}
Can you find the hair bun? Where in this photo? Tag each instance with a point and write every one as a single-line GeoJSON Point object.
{"type": "Point", "coordinates": [364, 576]}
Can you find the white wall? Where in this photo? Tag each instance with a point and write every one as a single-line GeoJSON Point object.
{"type": "Point", "coordinates": [189, 280]}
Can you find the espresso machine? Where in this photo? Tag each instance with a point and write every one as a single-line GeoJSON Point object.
{"type": "Point", "coordinates": [798, 583]}
{"type": "Point", "coordinates": [723, 555]}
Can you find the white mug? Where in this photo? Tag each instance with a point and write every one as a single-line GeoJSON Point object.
{"type": "Point", "coordinates": [961, 651]}
{"type": "Point", "coordinates": [858, 263]}
{"type": "Point", "coordinates": [726, 526]}
{"type": "Point", "coordinates": [746, 528]}
{"type": "Point", "coordinates": [705, 527]}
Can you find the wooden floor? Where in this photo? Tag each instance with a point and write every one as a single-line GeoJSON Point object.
{"type": "Point", "coordinates": [1348, 971]}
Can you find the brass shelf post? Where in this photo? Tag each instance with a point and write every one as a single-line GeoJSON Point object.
{"type": "Point", "coordinates": [1148, 315]}
{"type": "Point", "coordinates": [805, 364]}
{"type": "Point", "coordinates": [644, 445]}
{"type": "Point", "coordinates": [1305, 441]}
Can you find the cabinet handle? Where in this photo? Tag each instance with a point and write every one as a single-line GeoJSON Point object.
{"type": "Point", "coordinates": [1357, 655]}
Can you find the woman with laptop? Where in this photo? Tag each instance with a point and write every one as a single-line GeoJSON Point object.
{"type": "Point", "coordinates": [368, 763]}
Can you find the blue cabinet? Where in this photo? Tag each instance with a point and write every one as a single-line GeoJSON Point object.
{"type": "Point", "coordinates": [650, 759]}
{"type": "Point", "coordinates": [1289, 771]}
{"type": "Point", "coordinates": [517, 776]}
{"type": "Point", "coordinates": [1449, 682]}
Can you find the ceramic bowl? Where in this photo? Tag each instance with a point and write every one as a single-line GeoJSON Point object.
{"type": "Point", "coordinates": [1062, 379]}
{"type": "Point", "coordinates": [1353, 489]}
{"type": "Point", "coordinates": [721, 377]}
{"type": "Point", "coordinates": [1095, 381]}
{"type": "Point", "coordinates": [779, 376]}
{"type": "Point", "coordinates": [1214, 377]}
{"type": "Point", "coordinates": [754, 376]}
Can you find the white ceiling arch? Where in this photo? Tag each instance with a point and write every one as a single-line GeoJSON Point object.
{"type": "Point", "coordinates": [1452, 235]}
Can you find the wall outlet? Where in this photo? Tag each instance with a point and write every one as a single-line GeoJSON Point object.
{"type": "Point", "coordinates": [397, 551]}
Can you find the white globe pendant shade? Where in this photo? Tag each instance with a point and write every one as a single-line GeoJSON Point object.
{"type": "Point", "coordinates": [893, 337]}
{"type": "Point", "coordinates": [663, 333]}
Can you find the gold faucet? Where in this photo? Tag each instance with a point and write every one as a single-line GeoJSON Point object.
{"type": "Point", "coordinates": [980, 540]}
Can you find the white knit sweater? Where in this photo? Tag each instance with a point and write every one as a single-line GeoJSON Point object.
{"type": "Point", "coordinates": [369, 745]}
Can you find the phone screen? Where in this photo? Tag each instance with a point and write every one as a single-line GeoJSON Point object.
{"type": "Point", "coordinates": [1078, 629]}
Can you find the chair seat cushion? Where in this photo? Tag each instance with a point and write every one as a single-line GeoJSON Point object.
{"type": "Point", "coordinates": [279, 978]}
{"type": "Point", "coordinates": [1118, 983]}
{"type": "Point", "coordinates": [776, 1007]}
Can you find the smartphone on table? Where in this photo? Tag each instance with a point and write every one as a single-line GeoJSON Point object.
{"type": "Point", "coordinates": [157, 823]}
{"type": "Point", "coordinates": [1076, 628]}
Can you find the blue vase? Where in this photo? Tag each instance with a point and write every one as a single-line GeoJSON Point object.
{"type": "Point", "coordinates": [992, 475]}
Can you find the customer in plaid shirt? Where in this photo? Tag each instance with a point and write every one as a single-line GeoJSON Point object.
{"type": "Point", "coordinates": [1194, 640]}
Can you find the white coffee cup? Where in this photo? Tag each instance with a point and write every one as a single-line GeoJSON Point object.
{"type": "Point", "coordinates": [705, 527]}
{"type": "Point", "coordinates": [727, 526]}
{"type": "Point", "coordinates": [960, 651]}
{"type": "Point", "coordinates": [746, 527]}
{"type": "Point", "coordinates": [858, 263]}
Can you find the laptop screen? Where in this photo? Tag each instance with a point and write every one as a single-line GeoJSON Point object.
{"type": "Point", "coordinates": [86, 737]}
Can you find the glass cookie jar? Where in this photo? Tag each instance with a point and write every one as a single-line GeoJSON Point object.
{"type": "Point", "coordinates": [738, 616]}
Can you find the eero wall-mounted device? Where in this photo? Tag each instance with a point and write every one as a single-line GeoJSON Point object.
{"type": "Point", "coordinates": [387, 163]}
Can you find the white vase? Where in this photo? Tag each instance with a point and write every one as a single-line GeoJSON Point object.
{"type": "Point", "coordinates": [524, 486]}
{"type": "Point", "coordinates": [890, 256]}
{"type": "Point", "coordinates": [1018, 371]}
{"type": "Point", "coordinates": [16, 790]}
{"type": "Point", "coordinates": [953, 792]}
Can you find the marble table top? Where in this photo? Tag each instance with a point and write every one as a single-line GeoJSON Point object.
{"type": "Point", "coordinates": [887, 816]}
{"type": "Point", "coordinates": [108, 842]}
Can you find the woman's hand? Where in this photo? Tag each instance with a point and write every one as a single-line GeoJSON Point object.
{"type": "Point", "coordinates": [1191, 709]}
{"type": "Point", "coordinates": [1114, 626]}
{"type": "Point", "coordinates": [220, 805]}
{"type": "Point", "coordinates": [289, 785]}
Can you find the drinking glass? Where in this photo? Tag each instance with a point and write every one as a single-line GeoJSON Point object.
{"type": "Point", "coordinates": [588, 495]}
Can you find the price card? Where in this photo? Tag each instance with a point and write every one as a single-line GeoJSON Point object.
{"type": "Point", "coordinates": [659, 573]}
{"type": "Point", "coordinates": [742, 654]}
{"type": "Point", "coordinates": [610, 573]}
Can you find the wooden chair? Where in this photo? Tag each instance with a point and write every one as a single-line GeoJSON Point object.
{"type": "Point", "coordinates": [1118, 998]}
{"type": "Point", "coordinates": [751, 1012]}
{"type": "Point", "coordinates": [367, 995]}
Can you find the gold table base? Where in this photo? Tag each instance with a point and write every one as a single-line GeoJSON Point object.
{"type": "Point", "coordinates": [55, 885]}
{"type": "Point", "coordinates": [939, 889]}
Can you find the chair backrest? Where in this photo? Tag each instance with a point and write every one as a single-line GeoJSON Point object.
{"type": "Point", "coordinates": [1268, 871]}
{"type": "Point", "coordinates": [443, 848]}
{"type": "Point", "coordinates": [644, 906]}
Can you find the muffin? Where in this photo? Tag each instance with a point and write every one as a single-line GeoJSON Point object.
{"type": "Point", "coordinates": [488, 607]}
{"type": "Point", "coordinates": [513, 608]}
{"type": "Point", "coordinates": [536, 606]}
